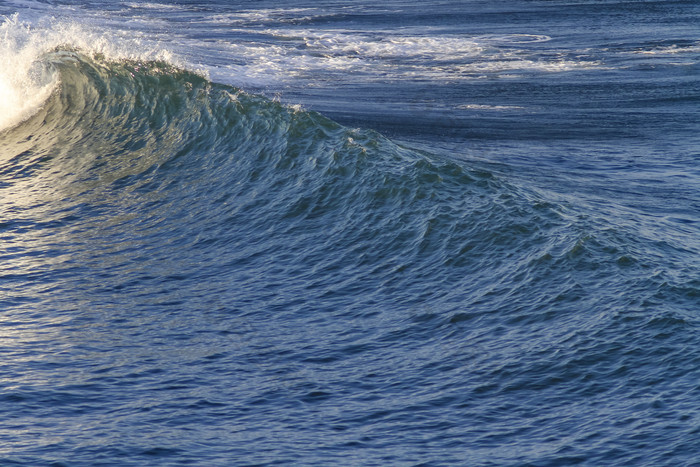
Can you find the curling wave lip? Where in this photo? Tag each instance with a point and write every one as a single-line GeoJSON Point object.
{"type": "Point", "coordinates": [27, 76]}
{"type": "Point", "coordinates": [25, 81]}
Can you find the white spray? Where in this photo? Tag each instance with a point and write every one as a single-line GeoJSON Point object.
{"type": "Point", "coordinates": [27, 77]}
{"type": "Point", "coordinates": [25, 82]}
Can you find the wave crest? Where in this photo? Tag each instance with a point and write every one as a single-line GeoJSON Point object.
{"type": "Point", "coordinates": [25, 82]}
{"type": "Point", "coordinates": [28, 77]}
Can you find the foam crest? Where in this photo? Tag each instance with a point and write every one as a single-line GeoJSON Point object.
{"type": "Point", "coordinates": [351, 55]}
{"type": "Point", "coordinates": [28, 76]}
{"type": "Point", "coordinates": [25, 82]}
{"type": "Point", "coordinates": [436, 48]}
{"type": "Point", "coordinates": [672, 49]}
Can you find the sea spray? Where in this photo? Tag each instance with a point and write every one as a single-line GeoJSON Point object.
{"type": "Point", "coordinates": [28, 76]}
{"type": "Point", "coordinates": [25, 82]}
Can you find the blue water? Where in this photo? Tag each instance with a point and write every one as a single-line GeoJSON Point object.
{"type": "Point", "coordinates": [318, 233]}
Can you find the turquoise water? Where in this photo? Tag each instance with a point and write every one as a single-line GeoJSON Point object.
{"type": "Point", "coordinates": [438, 234]}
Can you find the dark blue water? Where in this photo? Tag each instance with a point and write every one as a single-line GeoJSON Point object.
{"type": "Point", "coordinates": [435, 233]}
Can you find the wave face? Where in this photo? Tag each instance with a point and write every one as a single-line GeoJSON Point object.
{"type": "Point", "coordinates": [242, 176]}
{"type": "Point", "coordinates": [190, 273]}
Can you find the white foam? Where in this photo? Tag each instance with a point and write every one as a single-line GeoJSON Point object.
{"type": "Point", "coordinates": [670, 50]}
{"type": "Point", "coordinates": [27, 78]}
{"type": "Point", "coordinates": [352, 55]}
{"type": "Point", "coordinates": [25, 83]}
{"type": "Point", "coordinates": [489, 107]}
{"type": "Point", "coordinates": [512, 38]}
{"type": "Point", "coordinates": [435, 48]}
{"type": "Point", "coordinates": [153, 6]}
{"type": "Point", "coordinates": [271, 56]}
{"type": "Point", "coordinates": [267, 15]}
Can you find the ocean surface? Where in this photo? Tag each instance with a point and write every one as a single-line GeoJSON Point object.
{"type": "Point", "coordinates": [350, 233]}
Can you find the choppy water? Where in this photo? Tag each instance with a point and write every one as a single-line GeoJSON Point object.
{"type": "Point", "coordinates": [437, 233]}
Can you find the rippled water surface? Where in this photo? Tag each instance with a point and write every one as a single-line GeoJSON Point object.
{"type": "Point", "coordinates": [437, 233]}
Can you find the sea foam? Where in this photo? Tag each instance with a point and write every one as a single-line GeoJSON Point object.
{"type": "Point", "coordinates": [28, 76]}
{"type": "Point", "coordinates": [25, 82]}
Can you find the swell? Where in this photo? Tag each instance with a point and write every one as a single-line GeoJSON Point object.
{"type": "Point", "coordinates": [149, 142]}
{"type": "Point", "coordinates": [142, 196]}
{"type": "Point", "coordinates": [145, 144]}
